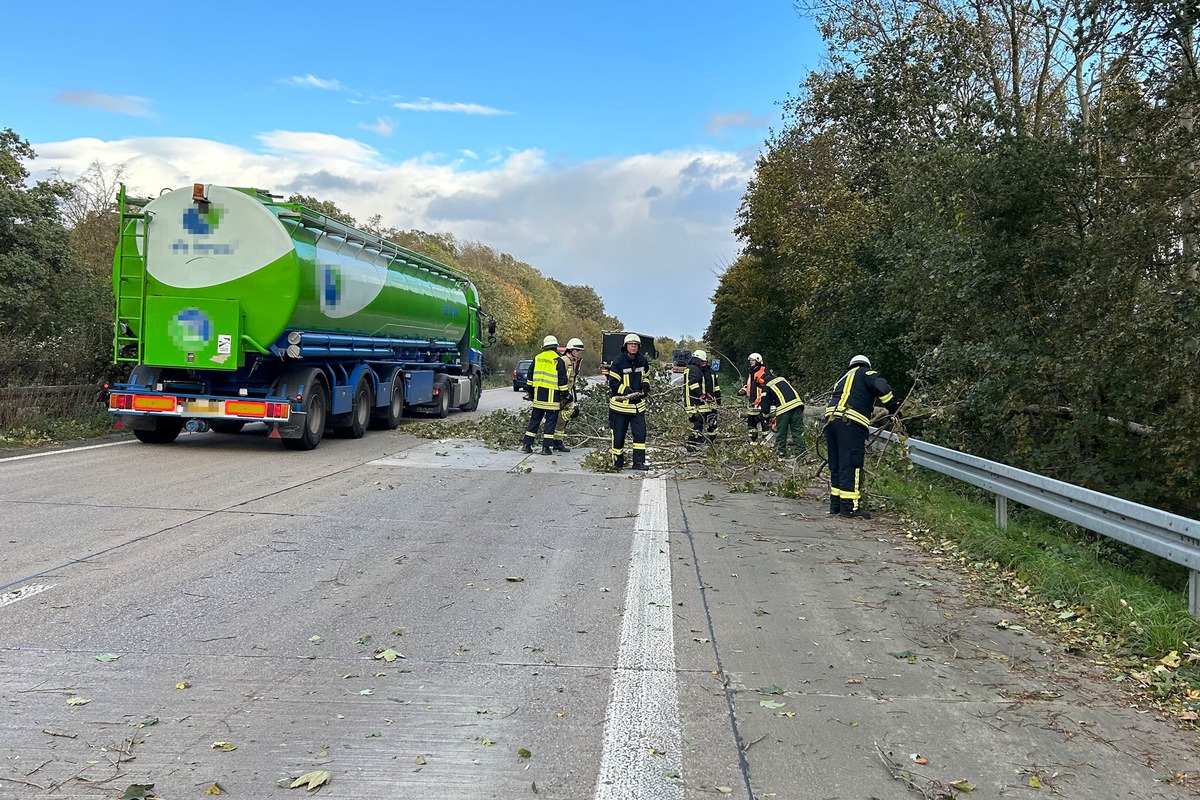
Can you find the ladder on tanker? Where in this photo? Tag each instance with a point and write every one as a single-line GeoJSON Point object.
{"type": "Point", "coordinates": [130, 280]}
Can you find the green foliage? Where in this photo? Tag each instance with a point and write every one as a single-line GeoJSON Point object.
{"type": "Point", "coordinates": [1024, 255]}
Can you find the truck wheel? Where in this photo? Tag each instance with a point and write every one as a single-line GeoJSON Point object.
{"type": "Point", "coordinates": [444, 401]}
{"type": "Point", "coordinates": [390, 418]}
{"type": "Point", "coordinates": [226, 426]}
{"type": "Point", "coordinates": [476, 391]}
{"type": "Point", "coordinates": [316, 405]}
{"type": "Point", "coordinates": [165, 431]}
{"type": "Point", "coordinates": [360, 410]}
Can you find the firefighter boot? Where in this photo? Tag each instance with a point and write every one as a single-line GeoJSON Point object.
{"type": "Point", "coordinates": [640, 463]}
{"type": "Point", "coordinates": [618, 463]}
{"type": "Point", "coordinates": [527, 445]}
{"type": "Point", "coordinates": [560, 447]}
{"type": "Point", "coordinates": [546, 451]}
{"type": "Point", "coordinates": [835, 505]}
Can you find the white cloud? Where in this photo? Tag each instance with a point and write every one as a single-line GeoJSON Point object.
{"type": "Point", "coordinates": [116, 103]}
{"type": "Point", "coordinates": [648, 231]}
{"type": "Point", "coordinates": [428, 104]}
{"type": "Point", "coordinates": [313, 82]}
{"type": "Point", "coordinates": [383, 126]}
{"type": "Point", "coordinates": [718, 123]}
{"type": "Point", "coordinates": [469, 154]}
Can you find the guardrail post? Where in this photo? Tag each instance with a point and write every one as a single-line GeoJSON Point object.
{"type": "Point", "coordinates": [1194, 593]}
{"type": "Point", "coordinates": [1002, 512]}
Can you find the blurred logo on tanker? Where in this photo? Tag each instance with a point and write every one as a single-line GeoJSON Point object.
{"type": "Point", "coordinates": [193, 245]}
{"type": "Point", "coordinates": [331, 290]}
{"type": "Point", "coordinates": [190, 329]}
{"type": "Point", "coordinates": [202, 223]}
{"type": "Point", "coordinates": [346, 284]}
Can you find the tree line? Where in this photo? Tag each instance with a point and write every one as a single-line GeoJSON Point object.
{"type": "Point", "coordinates": [996, 201]}
{"type": "Point", "coordinates": [57, 239]}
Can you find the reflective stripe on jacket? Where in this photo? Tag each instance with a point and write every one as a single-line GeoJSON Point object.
{"type": "Point", "coordinates": [778, 397]}
{"type": "Point", "coordinates": [626, 376]}
{"type": "Point", "coordinates": [855, 395]}
{"type": "Point", "coordinates": [549, 379]}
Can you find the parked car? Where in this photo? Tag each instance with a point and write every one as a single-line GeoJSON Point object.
{"type": "Point", "coordinates": [520, 382]}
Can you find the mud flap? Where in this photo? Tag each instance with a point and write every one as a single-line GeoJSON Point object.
{"type": "Point", "coordinates": [292, 428]}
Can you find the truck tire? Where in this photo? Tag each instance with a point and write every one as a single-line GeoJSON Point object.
{"type": "Point", "coordinates": [476, 392]}
{"type": "Point", "coordinates": [444, 401]}
{"type": "Point", "coordinates": [165, 431]}
{"type": "Point", "coordinates": [389, 418]}
{"type": "Point", "coordinates": [227, 426]}
{"type": "Point", "coordinates": [316, 405]}
{"type": "Point", "coordinates": [360, 410]}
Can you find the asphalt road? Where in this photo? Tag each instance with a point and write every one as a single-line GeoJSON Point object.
{"type": "Point", "coordinates": [432, 619]}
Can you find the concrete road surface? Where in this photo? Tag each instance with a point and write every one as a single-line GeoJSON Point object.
{"type": "Point", "coordinates": [433, 619]}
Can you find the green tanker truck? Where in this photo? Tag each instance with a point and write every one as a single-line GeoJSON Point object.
{"type": "Point", "coordinates": [234, 307]}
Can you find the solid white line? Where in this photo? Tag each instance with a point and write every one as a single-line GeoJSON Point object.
{"type": "Point", "coordinates": [68, 450]}
{"type": "Point", "coordinates": [643, 740]}
{"type": "Point", "coordinates": [20, 594]}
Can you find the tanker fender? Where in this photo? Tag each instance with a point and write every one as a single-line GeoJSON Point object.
{"type": "Point", "coordinates": [345, 379]}
{"type": "Point", "coordinates": [293, 385]}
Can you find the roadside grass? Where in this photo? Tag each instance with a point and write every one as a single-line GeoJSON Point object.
{"type": "Point", "coordinates": [1125, 608]}
{"type": "Point", "coordinates": [41, 431]}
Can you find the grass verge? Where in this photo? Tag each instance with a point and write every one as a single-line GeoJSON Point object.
{"type": "Point", "coordinates": [54, 430]}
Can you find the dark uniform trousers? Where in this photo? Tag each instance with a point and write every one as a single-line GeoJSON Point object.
{"type": "Point", "coordinates": [628, 423]}
{"type": "Point", "coordinates": [550, 417]}
{"type": "Point", "coordinates": [847, 445]}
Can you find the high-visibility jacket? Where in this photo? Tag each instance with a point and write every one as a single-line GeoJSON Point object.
{"type": "Point", "coordinates": [572, 375]}
{"type": "Point", "coordinates": [549, 379]}
{"type": "Point", "coordinates": [701, 392]}
{"type": "Point", "coordinates": [854, 396]}
{"type": "Point", "coordinates": [755, 383]}
{"type": "Point", "coordinates": [628, 376]}
{"type": "Point", "coordinates": [778, 396]}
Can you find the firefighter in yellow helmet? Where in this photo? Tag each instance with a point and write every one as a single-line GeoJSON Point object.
{"type": "Point", "coordinates": [848, 423]}
{"type": "Point", "coordinates": [571, 357]}
{"type": "Point", "coordinates": [628, 387]}
{"type": "Point", "coordinates": [549, 382]}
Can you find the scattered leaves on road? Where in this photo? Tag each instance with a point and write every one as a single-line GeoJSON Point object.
{"type": "Point", "coordinates": [105, 658]}
{"type": "Point", "coordinates": [78, 701]}
{"type": "Point", "coordinates": [223, 747]}
{"type": "Point", "coordinates": [389, 655]}
{"type": "Point", "coordinates": [312, 780]}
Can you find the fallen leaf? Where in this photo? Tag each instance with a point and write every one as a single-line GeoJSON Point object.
{"type": "Point", "coordinates": [215, 788]}
{"type": "Point", "coordinates": [224, 747]}
{"type": "Point", "coordinates": [374, 735]}
{"type": "Point", "coordinates": [183, 685]}
{"type": "Point", "coordinates": [908, 655]}
{"type": "Point", "coordinates": [722, 535]}
{"type": "Point", "coordinates": [364, 640]}
{"type": "Point", "coordinates": [1188, 716]}
{"type": "Point", "coordinates": [367, 692]}
{"type": "Point", "coordinates": [1034, 783]}
{"type": "Point", "coordinates": [420, 761]}
{"type": "Point", "coordinates": [104, 658]}
{"type": "Point", "coordinates": [138, 791]}
{"type": "Point", "coordinates": [312, 780]}
{"type": "Point", "coordinates": [963, 786]}
{"type": "Point", "coordinates": [654, 751]}
{"type": "Point", "coordinates": [560, 713]}
{"type": "Point", "coordinates": [389, 655]}
{"type": "Point", "coordinates": [147, 722]}
{"type": "Point", "coordinates": [772, 689]}
{"type": "Point", "coordinates": [1171, 660]}
{"type": "Point", "coordinates": [771, 704]}
{"type": "Point", "coordinates": [315, 639]}
{"type": "Point", "coordinates": [515, 579]}
{"type": "Point", "coordinates": [725, 790]}
{"type": "Point", "coordinates": [78, 701]}
{"type": "Point", "coordinates": [524, 753]}
{"type": "Point", "coordinates": [486, 742]}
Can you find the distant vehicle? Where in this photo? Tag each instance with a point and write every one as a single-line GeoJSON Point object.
{"type": "Point", "coordinates": [679, 360]}
{"type": "Point", "coordinates": [521, 375]}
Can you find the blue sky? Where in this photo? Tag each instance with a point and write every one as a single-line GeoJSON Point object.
{"type": "Point", "coordinates": [603, 143]}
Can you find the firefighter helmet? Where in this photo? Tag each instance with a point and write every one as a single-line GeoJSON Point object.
{"type": "Point", "coordinates": [860, 359]}
{"type": "Point", "coordinates": [632, 338]}
{"type": "Point", "coordinates": [700, 354]}
{"type": "Point", "coordinates": [575, 344]}
{"type": "Point", "coordinates": [550, 341]}
{"type": "Point", "coordinates": [756, 357]}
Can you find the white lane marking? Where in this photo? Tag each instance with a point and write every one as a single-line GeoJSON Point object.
{"type": "Point", "coordinates": [643, 740]}
{"type": "Point", "coordinates": [20, 594]}
{"type": "Point", "coordinates": [68, 450]}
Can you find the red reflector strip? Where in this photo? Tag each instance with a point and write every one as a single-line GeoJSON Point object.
{"type": "Point", "coordinates": [145, 402]}
{"type": "Point", "coordinates": [278, 410]}
{"type": "Point", "coordinates": [245, 408]}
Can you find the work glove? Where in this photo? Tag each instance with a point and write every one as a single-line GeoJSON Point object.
{"type": "Point", "coordinates": [568, 398]}
{"type": "Point", "coordinates": [574, 412]}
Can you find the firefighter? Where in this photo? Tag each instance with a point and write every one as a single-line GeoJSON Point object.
{"type": "Point", "coordinates": [701, 396]}
{"type": "Point", "coordinates": [756, 380]}
{"type": "Point", "coordinates": [782, 403]}
{"type": "Point", "coordinates": [628, 387]}
{"type": "Point", "coordinates": [549, 382]}
{"type": "Point", "coordinates": [848, 418]}
{"type": "Point", "coordinates": [572, 355]}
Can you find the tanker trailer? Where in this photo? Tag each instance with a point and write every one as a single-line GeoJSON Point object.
{"type": "Point", "coordinates": [234, 307]}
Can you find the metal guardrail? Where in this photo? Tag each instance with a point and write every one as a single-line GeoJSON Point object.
{"type": "Point", "coordinates": [1163, 534]}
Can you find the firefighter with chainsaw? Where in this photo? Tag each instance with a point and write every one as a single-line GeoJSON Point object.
{"type": "Point", "coordinates": [701, 396]}
{"type": "Point", "coordinates": [848, 419]}
{"type": "Point", "coordinates": [571, 357]}
{"type": "Point", "coordinates": [782, 404]}
{"type": "Point", "coordinates": [628, 388]}
{"type": "Point", "coordinates": [549, 381]}
{"type": "Point", "coordinates": [756, 381]}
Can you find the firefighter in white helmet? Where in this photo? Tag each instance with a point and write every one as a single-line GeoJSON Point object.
{"type": "Point", "coordinates": [701, 396]}
{"type": "Point", "coordinates": [848, 423]}
{"type": "Point", "coordinates": [628, 387]}
{"type": "Point", "coordinates": [571, 357]}
{"type": "Point", "coordinates": [549, 382]}
{"type": "Point", "coordinates": [756, 379]}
